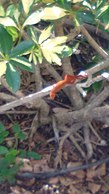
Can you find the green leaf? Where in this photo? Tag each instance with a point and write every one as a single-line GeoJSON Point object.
{"type": "Point", "coordinates": [33, 155]}
{"type": "Point", "coordinates": [66, 4]}
{"type": "Point", "coordinates": [3, 164]}
{"type": "Point", "coordinates": [11, 155]}
{"type": "Point", "coordinates": [56, 59]}
{"type": "Point", "coordinates": [87, 4]}
{"type": "Point", "coordinates": [45, 34]}
{"type": "Point", "coordinates": [22, 153]}
{"type": "Point", "coordinates": [58, 40]}
{"type": "Point", "coordinates": [85, 17]}
{"type": "Point", "coordinates": [50, 44]}
{"type": "Point", "coordinates": [12, 77]}
{"type": "Point", "coordinates": [39, 57]}
{"type": "Point", "coordinates": [33, 33]}
{"type": "Point", "coordinates": [22, 48]}
{"type": "Point", "coordinates": [2, 11]}
{"type": "Point", "coordinates": [5, 40]}
{"type": "Point", "coordinates": [34, 58]}
{"type": "Point", "coordinates": [66, 52]}
{"type": "Point", "coordinates": [58, 49]}
{"type": "Point", "coordinates": [3, 150]}
{"type": "Point", "coordinates": [2, 128]}
{"type": "Point", "coordinates": [8, 170]}
{"type": "Point", "coordinates": [47, 55]}
{"type": "Point", "coordinates": [3, 135]}
{"type": "Point", "coordinates": [103, 11]}
{"type": "Point", "coordinates": [100, 4]}
{"type": "Point", "coordinates": [7, 21]}
{"type": "Point", "coordinates": [16, 128]}
{"type": "Point", "coordinates": [10, 11]}
{"type": "Point", "coordinates": [18, 132]}
{"type": "Point", "coordinates": [53, 13]}
{"type": "Point", "coordinates": [11, 172]}
{"type": "Point", "coordinates": [51, 47]}
{"type": "Point", "coordinates": [97, 86]}
{"type": "Point", "coordinates": [51, 57]}
{"type": "Point", "coordinates": [1, 140]}
{"type": "Point", "coordinates": [13, 32]}
{"type": "Point", "coordinates": [36, 55]}
{"type": "Point", "coordinates": [27, 5]}
{"type": "Point", "coordinates": [77, 1]}
{"type": "Point", "coordinates": [34, 18]}
{"type": "Point", "coordinates": [17, 15]}
{"type": "Point", "coordinates": [103, 15]}
{"type": "Point", "coordinates": [21, 136]}
{"type": "Point", "coordinates": [2, 68]}
{"type": "Point", "coordinates": [23, 63]}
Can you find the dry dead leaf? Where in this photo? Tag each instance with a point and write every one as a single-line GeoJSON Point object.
{"type": "Point", "coordinates": [65, 181]}
{"type": "Point", "coordinates": [29, 183]}
{"type": "Point", "coordinates": [27, 166]}
{"type": "Point", "coordinates": [65, 155]}
{"type": "Point", "coordinates": [94, 187]}
{"type": "Point", "coordinates": [18, 190]}
{"type": "Point", "coordinates": [96, 172]}
{"type": "Point", "coordinates": [105, 184]}
{"type": "Point", "coordinates": [79, 174]}
{"type": "Point", "coordinates": [41, 165]}
{"type": "Point", "coordinates": [27, 192]}
{"type": "Point", "coordinates": [54, 180]}
{"type": "Point", "coordinates": [73, 190]}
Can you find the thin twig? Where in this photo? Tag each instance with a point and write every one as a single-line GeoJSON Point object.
{"type": "Point", "coordinates": [93, 43]}
{"type": "Point", "coordinates": [34, 127]}
{"type": "Point", "coordinates": [73, 93]}
{"type": "Point", "coordinates": [87, 141]}
{"type": "Point", "coordinates": [44, 92]}
{"type": "Point", "coordinates": [97, 31]}
{"type": "Point", "coordinates": [38, 79]}
{"type": "Point", "coordinates": [6, 97]}
{"type": "Point", "coordinates": [94, 131]}
{"type": "Point", "coordinates": [56, 131]}
{"type": "Point", "coordinates": [88, 83]}
{"type": "Point", "coordinates": [29, 112]}
{"type": "Point", "coordinates": [58, 160]}
{"type": "Point", "coordinates": [25, 99]}
{"type": "Point", "coordinates": [99, 99]}
{"type": "Point", "coordinates": [49, 174]}
{"type": "Point", "coordinates": [77, 146]}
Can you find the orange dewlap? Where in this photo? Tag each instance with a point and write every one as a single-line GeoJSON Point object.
{"type": "Point", "coordinates": [68, 79]}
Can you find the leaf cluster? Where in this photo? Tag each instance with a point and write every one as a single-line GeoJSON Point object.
{"type": "Point", "coordinates": [8, 163]}
{"type": "Point", "coordinates": [17, 23]}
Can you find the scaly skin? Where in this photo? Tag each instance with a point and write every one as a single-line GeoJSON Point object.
{"type": "Point", "coordinates": [68, 79]}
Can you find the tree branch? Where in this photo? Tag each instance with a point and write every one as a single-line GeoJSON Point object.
{"type": "Point", "coordinates": [82, 115]}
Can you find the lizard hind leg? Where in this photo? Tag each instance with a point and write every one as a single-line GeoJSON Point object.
{"type": "Point", "coordinates": [52, 95]}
